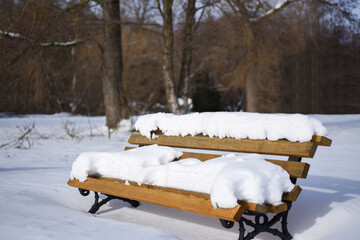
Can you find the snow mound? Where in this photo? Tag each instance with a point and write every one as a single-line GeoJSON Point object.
{"type": "Point", "coordinates": [123, 165]}
{"type": "Point", "coordinates": [250, 178]}
{"type": "Point", "coordinates": [227, 179]}
{"type": "Point", "coordinates": [239, 125]}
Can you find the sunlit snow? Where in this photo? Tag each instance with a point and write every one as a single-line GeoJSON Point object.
{"type": "Point", "coordinates": [36, 202]}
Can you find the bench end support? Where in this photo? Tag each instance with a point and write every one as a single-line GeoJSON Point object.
{"type": "Point", "coordinates": [96, 206]}
{"type": "Point", "coordinates": [261, 223]}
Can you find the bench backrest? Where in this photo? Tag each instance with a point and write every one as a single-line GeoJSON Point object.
{"type": "Point", "coordinates": [280, 147]}
{"type": "Point", "coordinates": [295, 150]}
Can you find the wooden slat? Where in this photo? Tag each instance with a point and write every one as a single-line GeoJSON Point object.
{"type": "Point", "coordinates": [282, 207]}
{"type": "Point", "coordinates": [280, 147]}
{"type": "Point", "coordinates": [247, 205]}
{"type": "Point", "coordinates": [295, 169]}
{"type": "Point", "coordinates": [163, 198]}
{"type": "Point", "coordinates": [173, 190]}
{"type": "Point", "coordinates": [293, 195]}
{"type": "Point", "coordinates": [254, 207]}
{"type": "Point", "coordinates": [200, 156]}
{"type": "Point", "coordinates": [322, 141]}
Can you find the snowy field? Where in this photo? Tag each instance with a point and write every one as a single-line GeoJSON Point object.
{"type": "Point", "coordinates": [36, 202]}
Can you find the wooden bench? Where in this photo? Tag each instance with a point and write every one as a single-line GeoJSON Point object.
{"type": "Point", "coordinates": [200, 203]}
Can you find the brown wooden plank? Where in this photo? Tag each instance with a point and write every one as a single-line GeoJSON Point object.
{"type": "Point", "coordinates": [259, 208]}
{"type": "Point", "coordinates": [254, 207]}
{"type": "Point", "coordinates": [247, 205]}
{"type": "Point", "coordinates": [295, 169]}
{"type": "Point", "coordinates": [173, 190]}
{"type": "Point", "coordinates": [282, 207]}
{"type": "Point", "coordinates": [280, 147]}
{"type": "Point", "coordinates": [200, 156]}
{"type": "Point", "coordinates": [322, 141]}
{"type": "Point", "coordinates": [293, 195]}
{"type": "Point", "coordinates": [163, 198]}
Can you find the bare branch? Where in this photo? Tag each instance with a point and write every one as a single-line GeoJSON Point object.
{"type": "Point", "coordinates": [23, 139]}
{"type": "Point", "coordinates": [44, 44]}
{"type": "Point", "coordinates": [11, 35]}
{"type": "Point", "coordinates": [346, 13]}
{"type": "Point", "coordinates": [159, 8]}
{"type": "Point", "coordinates": [237, 12]}
{"type": "Point", "coordinates": [272, 11]}
{"type": "Point", "coordinates": [208, 4]}
{"type": "Point", "coordinates": [62, 44]}
{"type": "Point", "coordinates": [70, 129]}
{"type": "Point", "coordinates": [139, 23]}
{"type": "Point", "coordinates": [199, 20]}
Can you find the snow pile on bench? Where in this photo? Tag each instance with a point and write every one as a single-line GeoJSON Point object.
{"type": "Point", "coordinates": [123, 165]}
{"type": "Point", "coordinates": [226, 179]}
{"type": "Point", "coordinates": [239, 125]}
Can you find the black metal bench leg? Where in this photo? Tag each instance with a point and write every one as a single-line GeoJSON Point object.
{"type": "Point", "coordinates": [261, 224]}
{"type": "Point", "coordinates": [96, 206]}
{"type": "Point", "coordinates": [133, 203]}
{"type": "Point", "coordinates": [284, 225]}
{"type": "Point", "coordinates": [241, 230]}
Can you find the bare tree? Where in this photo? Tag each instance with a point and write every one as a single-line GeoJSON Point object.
{"type": "Point", "coordinates": [165, 9]}
{"type": "Point", "coordinates": [140, 9]}
{"type": "Point", "coordinates": [114, 99]}
{"type": "Point", "coordinates": [251, 12]}
{"type": "Point", "coordinates": [265, 86]}
{"type": "Point", "coordinates": [186, 73]}
{"type": "Point", "coordinates": [294, 56]}
{"type": "Point", "coordinates": [187, 52]}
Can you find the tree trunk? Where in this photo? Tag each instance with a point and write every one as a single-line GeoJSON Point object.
{"type": "Point", "coordinates": [315, 62]}
{"type": "Point", "coordinates": [188, 38]}
{"type": "Point", "coordinates": [168, 57]}
{"type": "Point", "coordinates": [251, 94]}
{"type": "Point", "coordinates": [114, 99]}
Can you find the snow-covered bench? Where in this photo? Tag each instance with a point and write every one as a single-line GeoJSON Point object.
{"type": "Point", "coordinates": [201, 203]}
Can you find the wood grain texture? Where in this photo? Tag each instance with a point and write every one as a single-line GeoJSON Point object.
{"type": "Point", "coordinates": [254, 207]}
{"type": "Point", "coordinates": [282, 207]}
{"type": "Point", "coordinates": [260, 208]}
{"type": "Point", "coordinates": [322, 141]}
{"type": "Point", "coordinates": [280, 147]}
{"type": "Point", "coordinates": [293, 195]}
{"type": "Point", "coordinates": [200, 156]}
{"type": "Point", "coordinates": [168, 199]}
{"type": "Point", "coordinates": [295, 169]}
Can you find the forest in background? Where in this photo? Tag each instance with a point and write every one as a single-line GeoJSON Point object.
{"type": "Point", "coordinates": [302, 58]}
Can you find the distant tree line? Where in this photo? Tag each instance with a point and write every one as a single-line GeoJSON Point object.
{"type": "Point", "coordinates": [294, 56]}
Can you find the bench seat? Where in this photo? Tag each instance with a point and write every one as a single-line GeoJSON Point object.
{"type": "Point", "coordinates": [178, 199]}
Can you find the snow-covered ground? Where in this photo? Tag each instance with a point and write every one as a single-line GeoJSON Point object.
{"type": "Point", "coordinates": [36, 202]}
